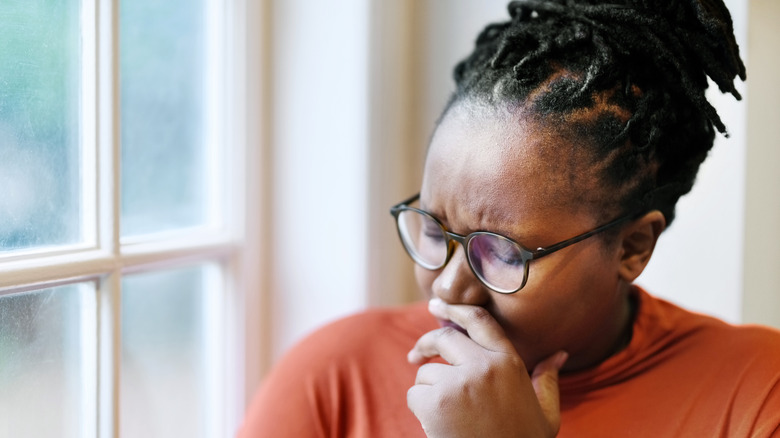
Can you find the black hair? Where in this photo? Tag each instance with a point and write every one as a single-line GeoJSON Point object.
{"type": "Point", "coordinates": [642, 65]}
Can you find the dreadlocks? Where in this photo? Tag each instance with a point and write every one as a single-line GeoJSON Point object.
{"type": "Point", "coordinates": [641, 65]}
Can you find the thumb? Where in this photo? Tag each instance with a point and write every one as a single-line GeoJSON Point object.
{"type": "Point", "coordinates": [545, 382]}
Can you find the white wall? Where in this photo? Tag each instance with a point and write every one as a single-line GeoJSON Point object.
{"type": "Point", "coordinates": [318, 146]}
{"type": "Point", "coordinates": [762, 213]}
{"type": "Point", "coordinates": [447, 36]}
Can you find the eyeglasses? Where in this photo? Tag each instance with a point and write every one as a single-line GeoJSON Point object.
{"type": "Point", "coordinates": [500, 263]}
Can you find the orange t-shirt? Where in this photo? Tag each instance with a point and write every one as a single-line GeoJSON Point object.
{"type": "Point", "coordinates": [682, 375]}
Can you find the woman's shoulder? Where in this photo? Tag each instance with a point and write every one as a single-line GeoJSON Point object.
{"type": "Point", "coordinates": [732, 345]}
{"type": "Point", "coordinates": [344, 378]}
{"type": "Point", "coordinates": [386, 330]}
{"type": "Point", "coordinates": [756, 346]}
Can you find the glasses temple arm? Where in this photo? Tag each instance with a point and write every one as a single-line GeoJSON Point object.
{"type": "Point", "coordinates": [403, 203]}
{"type": "Point", "coordinates": [541, 252]}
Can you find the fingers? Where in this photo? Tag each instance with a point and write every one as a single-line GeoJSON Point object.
{"type": "Point", "coordinates": [423, 396]}
{"type": "Point", "coordinates": [485, 390]}
{"type": "Point", "coordinates": [452, 345]}
{"type": "Point", "coordinates": [545, 382]}
{"type": "Point", "coordinates": [419, 399]}
{"type": "Point", "coordinates": [486, 395]}
{"type": "Point", "coordinates": [478, 323]}
{"type": "Point", "coordinates": [431, 373]}
{"type": "Point", "coordinates": [483, 333]}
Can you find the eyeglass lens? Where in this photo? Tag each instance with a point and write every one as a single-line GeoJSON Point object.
{"type": "Point", "coordinates": [496, 260]}
{"type": "Point", "coordinates": [423, 238]}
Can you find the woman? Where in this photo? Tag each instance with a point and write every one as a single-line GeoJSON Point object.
{"type": "Point", "coordinates": [574, 129]}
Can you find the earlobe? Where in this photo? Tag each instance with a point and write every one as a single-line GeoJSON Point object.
{"type": "Point", "coordinates": [638, 242]}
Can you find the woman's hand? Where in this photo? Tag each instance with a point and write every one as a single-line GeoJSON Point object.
{"type": "Point", "coordinates": [485, 390]}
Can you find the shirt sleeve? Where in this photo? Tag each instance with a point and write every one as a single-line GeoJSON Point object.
{"type": "Point", "coordinates": [348, 379]}
{"type": "Point", "coordinates": [295, 398]}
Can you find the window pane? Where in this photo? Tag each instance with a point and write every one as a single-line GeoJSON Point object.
{"type": "Point", "coordinates": [48, 360]}
{"type": "Point", "coordinates": [166, 356]}
{"type": "Point", "coordinates": [162, 124]}
{"type": "Point", "coordinates": [39, 124]}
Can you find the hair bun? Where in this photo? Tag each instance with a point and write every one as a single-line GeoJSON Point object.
{"type": "Point", "coordinates": [694, 38]}
{"type": "Point", "coordinates": [703, 25]}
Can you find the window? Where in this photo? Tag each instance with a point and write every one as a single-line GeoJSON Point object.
{"type": "Point", "coordinates": [40, 103]}
{"type": "Point", "coordinates": [121, 218]}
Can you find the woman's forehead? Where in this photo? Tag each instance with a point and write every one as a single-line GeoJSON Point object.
{"type": "Point", "coordinates": [493, 173]}
{"type": "Point", "coordinates": [501, 155]}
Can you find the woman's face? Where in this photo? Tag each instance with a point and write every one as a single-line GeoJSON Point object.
{"type": "Point", "coordinates": [503, 173]}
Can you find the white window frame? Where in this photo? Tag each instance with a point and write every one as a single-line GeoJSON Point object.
{"type": "Point", "coordinates": [236, 35]}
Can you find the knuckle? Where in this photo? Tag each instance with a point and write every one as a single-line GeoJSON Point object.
{"type": "Point", "coordinates": [425, 403]}
{"type": "Point", "coordinates": [441, 401]}
{"type": "Point", "coordinates": [411, 395]}
{"type": "Point", "coordinates": [411, 398]}
{"type": "Point", "coordinates": [445, 333]}
{"type": "Point", "coordinates": [488, 372]}
{"type": "Point", "coordinates": [479, 315]}
{"type": "Point", "coordinates": [415, 398]}
{"type": "Point", "coordinates": [425, 369]}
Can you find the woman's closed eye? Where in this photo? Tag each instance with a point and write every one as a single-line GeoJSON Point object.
{"type": "Point", "coordinates": [507, 256]}
{"type": "Point", "coordinates": [433, 233]}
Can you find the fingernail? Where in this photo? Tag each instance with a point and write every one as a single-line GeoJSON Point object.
{"type": "Point", "coordinates": [436, 306]}
{"type": "Point", "coordinates": [560, 359]}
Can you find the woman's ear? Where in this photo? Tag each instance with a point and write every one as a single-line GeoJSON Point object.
{"type": "Point", "coordinates": [638, 242]}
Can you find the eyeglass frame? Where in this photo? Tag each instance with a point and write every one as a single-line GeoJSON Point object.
{"type": "Point", "coordinates": [525, 254]}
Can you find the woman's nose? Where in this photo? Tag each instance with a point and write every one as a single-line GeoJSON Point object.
{"type": "Point", "coordinates": [457, 284]}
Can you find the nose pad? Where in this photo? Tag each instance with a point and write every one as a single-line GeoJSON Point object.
{"type": "Point", "coordinates": [457, 284]}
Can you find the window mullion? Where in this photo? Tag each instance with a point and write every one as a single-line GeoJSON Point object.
{"type": "Point", "coordinates": [89, 323]}
{"type": "Point", "coordinates": [109, 145]}
{"type": "Point", "coordinates": [88, 327]}
{"type": "Point", "coordinates": [108, 210]}
{"type": "Point", "coordinates": [109, 351]}
{"type": "Point", "coordinates": [65, 268]}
